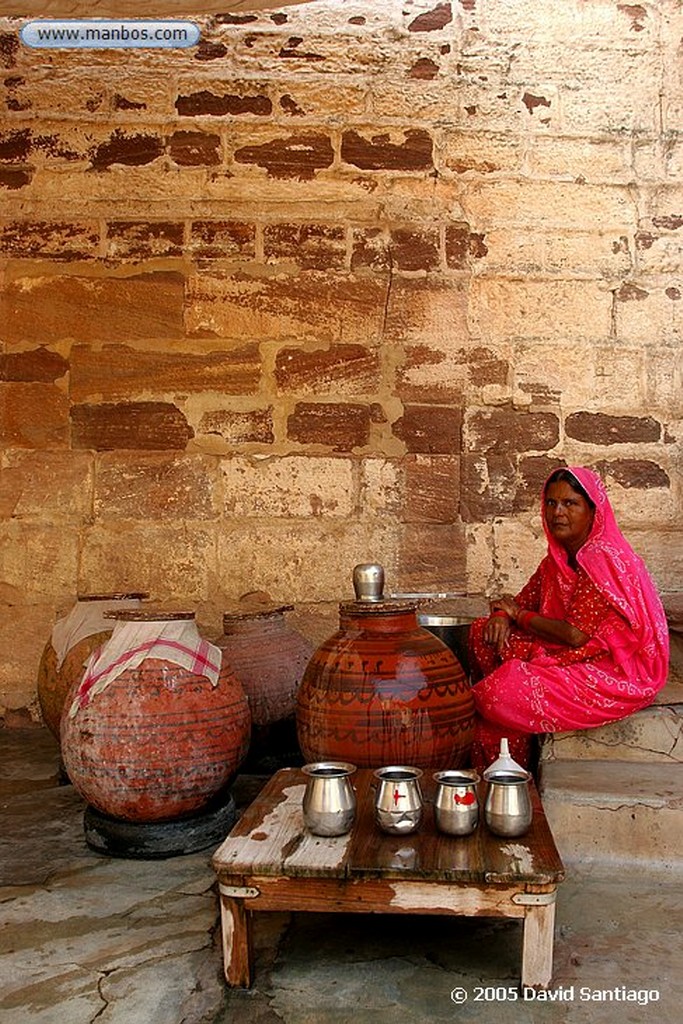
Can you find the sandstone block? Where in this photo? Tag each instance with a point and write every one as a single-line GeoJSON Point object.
{"type": "Point", "coordinates": [143, 425]}
{"type": "Point", "coordinates": [601, 429]}
{"type": "Point", "coordinates": [519, 546]}
{"type": "Point", "coordinates": [54, 240]}
{"type": "Point", "coordinates": [239, 426]}
{"type": "Point", "coordinates": [644, 494]}
{"type": "Point", "coordinates": [432, 489]}
{"type": "Point", "coordinates": [584, 375]}
{"type": "Point", "coordinates": [463, 246]}
{"type": "Point", "coordinates": [222, 239]}
{"type": "Point", "coordinates": [662, 554]}
{"type": "Point", "coordinates": [580, 159]}
{"type": "Point", "coordinates": [480, 560]}
{"type": "Point", "coordinates": [192, 149]}
{"type": "Point", "coordinates": [551, 204]}
{"type": "Point", "coordinates": [127, 148]}
{"type": "Point", "coordinates": [336, 425]}
{"type": "Point", "coordinates": [54, 484]}
{"type": "Point", "coordinates": [311, 246]}
{"type": "Point", "coordinates": [33, 416]}
{"type": "Point", "coordinates": [432, 557]}
{"type": "Point", "coordinates": [526, 308]}
{"type": "Point", "coordinates": [119, 372]}
{"type": "Point", "coordinates": [38, 558]}
{"type": "Point", "coordinates": [426, 312]}
{"type": "Point", "coordinates": [488, 486]}
{"type": "Point", "coordinates": [38, 364]}
{"type": "Point", "coordinates": [664, 376]}
{"type": "Point", "coordinates": [13, 178]}
{"type": "Point", "coordinates": [155, 486]}
{"type": "Point", "coordinates": [172, 562]}
{"type": "Point", "coordinates": [447, 370]}
{"type": "Point", "coordinates": [144, 239]}
{"type": "Point", "coordinates": [565, 253]}
{"type": "Point", "coordinates": [24, 629]}
{"type": "Point", "coordinates": [476, 153]}
{"type": "Point", "coordinates": [508, 430]}
{"type": "Point", "coordinates": [381, 487]}
{"type": "Point", "coordinates": [409, 150]}
{"type": "Point", "coordinates": [339, 369]}
{"type": "Point", "coordinates": [298, 156]}
{"type": "Point", "coordinates": [216, 101]}
{"type": "Point", "coordinates": [310, 306]}
{"type": "Point", "coordinates": [289, 487]}
{"type": "Point", "coordinates": [651, 315]}
{"type": "Point", "coordinates": [318, 557]}
{"type": "Point", "coordinates": [430, 429]}
{"type": "Point", "coordinates": [49, 309]}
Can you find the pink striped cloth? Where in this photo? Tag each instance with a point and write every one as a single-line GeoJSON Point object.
{"type": "Point", "coordinates": [85, 619]}
{"type": "Point", "coordinates": [131, 643]}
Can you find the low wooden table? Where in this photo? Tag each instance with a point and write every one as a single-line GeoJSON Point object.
{"type": "Point", "coordinates": [271, 862]}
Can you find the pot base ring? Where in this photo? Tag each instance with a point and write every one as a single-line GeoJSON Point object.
{"type": "Point", "coordinates": [157, 840]}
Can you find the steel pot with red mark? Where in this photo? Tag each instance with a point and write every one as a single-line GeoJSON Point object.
{"type": "Point", "coordinates": [456, 805]}
{"type": "Point", "coordinates": [398, 800]}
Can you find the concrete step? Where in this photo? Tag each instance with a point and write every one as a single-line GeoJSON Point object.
{"type": "Point", "coordinates": [615, 812]}
{"type": "Point", "coordinates": [652, 735]}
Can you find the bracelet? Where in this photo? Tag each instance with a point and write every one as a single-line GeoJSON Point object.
{"type": "Point", "coordinates": [499, 614]}
{"type": "Point", "coordinates": [524, 617]}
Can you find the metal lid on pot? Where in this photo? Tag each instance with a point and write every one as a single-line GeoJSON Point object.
{"type": "Point", "coordinates": [368, 583]}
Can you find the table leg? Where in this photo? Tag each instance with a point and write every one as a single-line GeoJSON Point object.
{"type": "Point", "coordinates": [238, 954]}
{"type": "Point", "coordinates": [537, 945]}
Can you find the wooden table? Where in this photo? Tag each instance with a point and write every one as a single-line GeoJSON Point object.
{"type": "Point", "coordinates": [271, 862]}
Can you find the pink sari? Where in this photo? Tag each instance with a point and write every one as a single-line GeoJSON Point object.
{"type": "Point", "coordinates": [535, 688]}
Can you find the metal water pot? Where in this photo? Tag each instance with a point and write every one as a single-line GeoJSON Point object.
{"type": "Point", "coordinates": [507, 809]}
{"type": "Point", "coordinates": [329, 804]}
{"type": "Point", "coordinates": [456, 804]}
{"type": "Point", "coordinates": [398, 801]}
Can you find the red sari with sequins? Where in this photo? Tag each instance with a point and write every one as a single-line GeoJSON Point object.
{"type": "Point", "coordinates": [536, 686]}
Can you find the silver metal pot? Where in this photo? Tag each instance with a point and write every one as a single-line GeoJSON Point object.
{"type": "Point", "coordinates": [329, 803]}
{"type": "Point", "coordinates": [507, 808]}
{"type": "Point", "coordinates": [456, 804]}
{"type": "Point", "coordinates": [398, 801]}
{"type": "Point", "coordinates": [453, 630]}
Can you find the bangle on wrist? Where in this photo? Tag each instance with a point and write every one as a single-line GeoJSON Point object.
{"type": "Point", "coordinates": [499, 614]}
{"type": "Point", "coordinates": [524, 617]}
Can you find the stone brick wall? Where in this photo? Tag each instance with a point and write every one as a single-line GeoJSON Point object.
{"type": "Point", "coordinates": [344, 282]}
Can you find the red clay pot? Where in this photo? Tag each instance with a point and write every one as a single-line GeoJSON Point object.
{"type": "Point", "coordinates": [159, 741]}
{"type": "Point", "coordinates": [382, 691]}
{"type": "Point", "coordinates": [269, 658]}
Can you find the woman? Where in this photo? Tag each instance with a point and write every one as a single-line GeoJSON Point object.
{"type": "Point", "coordinates": [585, 642]}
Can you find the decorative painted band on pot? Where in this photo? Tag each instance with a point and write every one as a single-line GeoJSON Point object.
{"type": "Point", "coordinates": [159, 723]}
{"type": "Point", "coordinates": [383, 690]}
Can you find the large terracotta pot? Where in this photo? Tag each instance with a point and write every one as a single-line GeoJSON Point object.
{"type": "Point", "coordinates": [269, 657]}
{"type": "Point", "coordinates": [384, 691]}
{"type": "Point", "coordinates": [158, 739]}
{"type": "Point", "coordinates": [72, 641]}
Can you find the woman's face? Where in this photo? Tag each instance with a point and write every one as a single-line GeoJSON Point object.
{"type": "Point", "coordinates": [568, 516]}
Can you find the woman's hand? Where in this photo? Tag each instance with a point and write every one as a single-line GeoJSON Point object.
{"type": "Point", "coordinates": [497, 629]}
{"type": "Point", "coordinates": [505, 603]}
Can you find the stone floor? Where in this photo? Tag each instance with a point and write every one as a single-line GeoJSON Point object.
{"type": "Point", "coordinates": [87, 938]}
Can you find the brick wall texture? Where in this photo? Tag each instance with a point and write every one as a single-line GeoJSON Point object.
{"type": "Point", "coordinates": [343, 282]}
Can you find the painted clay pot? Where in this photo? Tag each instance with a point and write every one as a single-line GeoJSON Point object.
{"type": "Point", "coordinates": [385, 691]}
{"type": "Point", "coordinates": [269, 658]}
{"type": "Point", "coordinates": [56, 677]}
{"type": "Point", "coordinates": [159, 740]}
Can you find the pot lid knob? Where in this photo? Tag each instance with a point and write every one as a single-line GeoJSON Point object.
{"type": "Point", "coordinates": [368, 581]}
